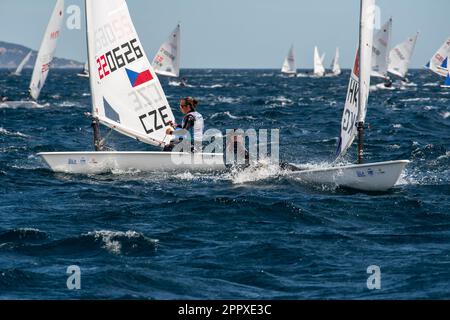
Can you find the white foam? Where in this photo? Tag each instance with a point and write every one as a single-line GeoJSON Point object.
{"type": "Point", "coordinates": [114, 245]}
{"type": "Point", "coordinates": [14, 134]}
{"type": "Point", "coordinates": [229, 115]}
{"type": "Point", "coordinates": [445, 115]}
{"type": "Point", "coordinates": [415, 99]}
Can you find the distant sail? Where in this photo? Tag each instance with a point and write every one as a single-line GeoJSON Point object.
{"type": "Point", "coordinates": [335, 67]}
{"type": "Point", "coordinates": [25, 60]}
{"type": "Point", "coordinates": [354, 110]}
{"type": "Point", "coordinates": [167, 60]}
{"type": "Point", "coordinates": [400, 57]}
{"type": "Point", "coordinates": [438, 63]}
{"type": "Point", "coordinates": [319, 69]}
{"type": "Point", "coordinates": [380, 54]}
{"type": "Point", "coordinates": [85, 73]}
{"type": "Point", "coordinates": [47, 50]}
{"type": "Point", "coordinates": [126, 93]}
{"type": "Point", "coordinates": [289, 63]}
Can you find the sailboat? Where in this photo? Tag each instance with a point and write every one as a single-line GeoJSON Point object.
{"type": "Point", "coordinates": [126, 97]}
{"type": "Point", "coordinates": [289, 67]}
{"type": "Point", "coordinates": [85, 73]}
{"type": "Point", "coordinates": [439, 63]}
{"type": "Point", "coordinates": [335, 67]}
{"type": "Point", "coordinates": [47, 50]}
{"type": "Point", "coordinates": [20, 67]}
{"type": "Point", "coordinates": [319, 70]}
{"type": "Point", "coordinates": [167, 60]}
{"type": "Point", "coordinates": [379, 176]}
{"type": "Point", "coordinates": [400, 57]}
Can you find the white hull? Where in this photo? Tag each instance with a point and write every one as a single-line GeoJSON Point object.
{"type": "Point", "coordinates": [83, 75]}
{"type": "Point", "coordinates": [379, 176]}
{"type": "Point", "coordinates": [101, 162]}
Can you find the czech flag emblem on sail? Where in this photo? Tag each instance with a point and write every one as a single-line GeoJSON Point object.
{"type": "Point", "coordinates": [138, 78]}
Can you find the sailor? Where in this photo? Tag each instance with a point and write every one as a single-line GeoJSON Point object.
{"type": "Point", "coordinates": [387, 82]}
{"type": "Point", "coordinates": [192, 122]}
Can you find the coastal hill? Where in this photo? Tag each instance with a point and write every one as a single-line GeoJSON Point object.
{"type": "Point", "coordinates": [12, 54]}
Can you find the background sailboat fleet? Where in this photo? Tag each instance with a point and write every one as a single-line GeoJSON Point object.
{"type": "Point", "coordinates": [111, 106]}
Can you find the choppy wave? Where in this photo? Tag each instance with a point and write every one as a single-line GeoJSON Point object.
{"type": "Point", "coordinates": [5, 132]}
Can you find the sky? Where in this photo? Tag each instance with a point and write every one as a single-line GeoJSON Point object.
{"type": "Point", "coordinates": [242, 33]}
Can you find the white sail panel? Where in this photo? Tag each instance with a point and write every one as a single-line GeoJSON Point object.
{"type": "Point", "coordinates": [349, 118]}
{"type": "Point", "coordinates": [400, 57]}
{"type": "Point", "coordinates": [126, 93]}
{"type": "Point", "coordinates": [289, 66]}
{"type": "Point", "coordinates": [358, 89]}
{"type": "Point", "coordinates": [381, 43]}
{"type": "Point", "coordinates": [368, 12]}
{"type": "Point", "coordinates": [47, 50]}
{"type": "Point", "coordinates": [167, 60]}
{"type": "Point", "coordinates": [319, 69]}
{"type": "Point", "coordinates": [25, 60]}
{"type": "Point", "coordinates": [439, 61]}
{"type": "Point", "coordinates": [335, 67]}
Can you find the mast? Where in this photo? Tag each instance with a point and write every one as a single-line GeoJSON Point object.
{"type": "Point", "coordinates": [95, 123]}
{"type": "Point", "coordinates": [360, 125]}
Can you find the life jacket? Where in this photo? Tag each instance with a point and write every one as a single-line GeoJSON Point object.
{"type": "Point", "coordinates": [197, 131]}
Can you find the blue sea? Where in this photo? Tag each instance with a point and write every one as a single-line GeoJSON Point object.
{"type": "Point", "coordinates": [252, 234]}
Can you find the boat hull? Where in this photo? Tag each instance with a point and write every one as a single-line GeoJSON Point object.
{"type": "Point", "coordinates": [380, 176]}
{"type": "Point", "coordinates": [101, 162]}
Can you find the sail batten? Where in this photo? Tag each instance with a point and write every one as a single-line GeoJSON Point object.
{"type": "Point", "coordinates": [47, 50]}
{"type": "Point", "coordinates": [167, 60]}
{"type": "Point", "coordinates": [126, 93]}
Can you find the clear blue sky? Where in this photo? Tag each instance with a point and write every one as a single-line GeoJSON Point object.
{"type": "Point", "coordinates": [242, 33]}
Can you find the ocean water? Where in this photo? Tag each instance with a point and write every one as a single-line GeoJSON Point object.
{"type": "Point", "coordinates": [256, 234]}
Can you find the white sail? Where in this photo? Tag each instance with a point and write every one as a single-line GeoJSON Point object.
{"type": "Point", "coordinates": [335, 67]}
{"type": "Point", "coordinates": [439, 62]}
{"type": "Point", "coordinates": [319, 69]}
{"type": "Point", "coordinates": [85, 73]}
{"type": "Point", "coordinates": [167, 60]}
{"type": "Point", "coordinates": [126, 93]}
{"type": "Point", "coordinates": [358, 90]}
{"type": "Point", "coordinates": [381, 43]}
{"type": "Point", "coordinates": [400, 57]}
{"type": "Point", "coordinates": [289, 66]}
{"type": "Point", "coordinates": [47, 50]}
{"type": "Point", "coordinates": [25, 60]}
